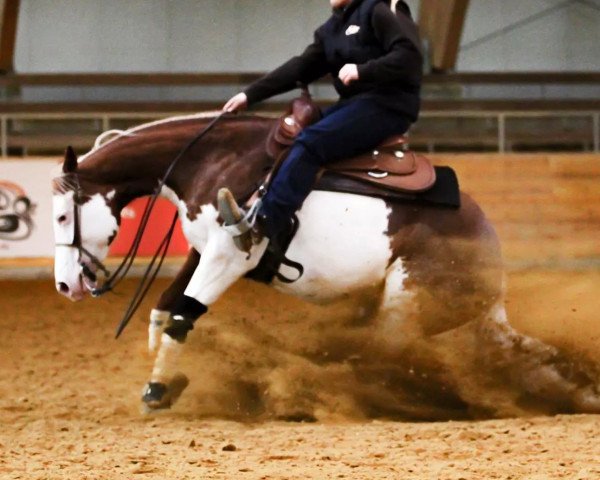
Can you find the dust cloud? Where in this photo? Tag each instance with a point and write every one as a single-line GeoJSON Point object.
{"type": "Point", "coordinates": [261, 355]}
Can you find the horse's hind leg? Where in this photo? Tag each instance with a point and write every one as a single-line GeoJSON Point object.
{"type": "Point", "coordinates": [397, 318]}
{"type": "Point", "coordinates": [165, 384]}
{"type": "Point", "coordinates": [552, 378]}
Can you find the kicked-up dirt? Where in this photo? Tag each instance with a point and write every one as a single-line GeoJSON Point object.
{"type": "Point", "coordinates": [69, 396]}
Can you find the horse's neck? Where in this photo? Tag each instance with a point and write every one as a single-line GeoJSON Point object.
{"type": "Point", "coordinates": [232, 155]}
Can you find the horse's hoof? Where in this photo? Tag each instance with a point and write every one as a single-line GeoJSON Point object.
{"type": "Point", "coordinates": [158, 396]}
{"type": "Point", "coordinates": [155, 396]}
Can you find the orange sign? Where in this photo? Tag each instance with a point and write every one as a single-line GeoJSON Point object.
{"type": "Point", "coordinates": [158, 225]}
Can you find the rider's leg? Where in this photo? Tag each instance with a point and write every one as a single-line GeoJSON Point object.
{"type": "Point", "coordinates": [346, 130]}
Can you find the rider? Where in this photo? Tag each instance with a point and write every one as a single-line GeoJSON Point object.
{"type": "Point", "coordinates": [376, 61]}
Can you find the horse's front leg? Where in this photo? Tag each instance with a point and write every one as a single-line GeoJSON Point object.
{"type": "Point", "coordinates": [161, 315]}
{"type": "Point", "coordinates": [220, 265]}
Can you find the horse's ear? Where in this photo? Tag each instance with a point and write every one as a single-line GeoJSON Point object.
{"type": "Point", "coordinates": [70, 164]}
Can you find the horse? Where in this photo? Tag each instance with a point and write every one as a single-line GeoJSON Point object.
{"type": "Point", "coordinates": [412, 270]}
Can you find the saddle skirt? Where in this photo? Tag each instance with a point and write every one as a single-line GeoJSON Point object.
{"type": "Point", "coordinates": [391, 166]}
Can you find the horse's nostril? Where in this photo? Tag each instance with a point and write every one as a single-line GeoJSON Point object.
{"type": "Point", "coordinates": [62, 287]}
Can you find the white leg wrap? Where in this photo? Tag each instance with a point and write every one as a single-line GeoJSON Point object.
{"type": "Point", "coordinates": [158, 322]}
{"type": "Point", "coordinates": [166, 363]}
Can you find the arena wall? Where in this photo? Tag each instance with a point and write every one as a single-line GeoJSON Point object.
{"type": "Point", "coordinates": [546, 208]}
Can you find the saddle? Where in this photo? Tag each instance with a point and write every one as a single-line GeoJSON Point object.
{"type": "Point", "coordinates": [301, 113]}
{"type": "Point", "coordinates": [390, 171]}
{"type": "Point", "coordinates": [390, 166]}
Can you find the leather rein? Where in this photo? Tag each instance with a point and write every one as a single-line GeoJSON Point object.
{"type": "Point", "coordinates": [111, 280]}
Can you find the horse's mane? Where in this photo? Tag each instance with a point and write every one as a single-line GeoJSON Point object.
{"type": "Point", "coordinates": [111, 136]}
{"type": "Point", "coordinates": [103, 137]}
{"type": "Point", "coordinates": [63, 183]}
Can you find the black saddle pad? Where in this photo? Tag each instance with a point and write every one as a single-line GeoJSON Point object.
{"type": "Point", "coordinates": [444, 193]}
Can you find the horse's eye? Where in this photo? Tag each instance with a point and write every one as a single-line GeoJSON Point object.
{"type": "Point", "coordinates": [62, 219]}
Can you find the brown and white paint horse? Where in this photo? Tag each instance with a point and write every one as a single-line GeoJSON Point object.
{"type": "Point", "coordinates": [416, 270]}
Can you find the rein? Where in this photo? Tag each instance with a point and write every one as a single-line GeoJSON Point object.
{"type": "Point", "coordinates": [149, 276]}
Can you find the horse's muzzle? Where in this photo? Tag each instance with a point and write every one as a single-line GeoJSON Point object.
{"type": "Point", "coordinates": [74, 293]}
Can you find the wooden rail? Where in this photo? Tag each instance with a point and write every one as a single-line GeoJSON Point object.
{"type": "Point", "coordinates": [105, 113]}
{"type": "Point", "coordinates": [472, 106]}
{"type": "Point", "coordinates": [500, 136]}
{"type": "Point", "coordinates": [239, 78]}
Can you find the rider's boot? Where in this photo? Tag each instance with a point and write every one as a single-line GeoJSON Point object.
{"type": "Point", "coordinates": [251, 227]}
{"type": "Point", "coordinates": [245, 232]}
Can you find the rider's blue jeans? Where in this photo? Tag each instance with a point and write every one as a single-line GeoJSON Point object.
{"type": "Point", "coordinates": [347, 129]}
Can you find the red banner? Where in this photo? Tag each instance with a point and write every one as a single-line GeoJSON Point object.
{"type": "Point", "coordinates": [158, 225]}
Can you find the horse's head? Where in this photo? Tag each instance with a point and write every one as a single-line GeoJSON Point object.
{"type": "Point", "coordinates": [85, 223]}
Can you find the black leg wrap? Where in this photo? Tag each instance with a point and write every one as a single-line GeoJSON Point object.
{"type": "Point", "coordinates": [179, 327]}
{"type": "Point", "coordinates": [189, 307]}
{"type": "Point", "coordinates": [185, 312]}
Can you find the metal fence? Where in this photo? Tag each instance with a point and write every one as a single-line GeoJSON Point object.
{"type": "Point", "coordinates": [501, 131]}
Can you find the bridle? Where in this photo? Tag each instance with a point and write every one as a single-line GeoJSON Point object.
{"type": "Point", "coordinates": [111, 280]}
{"type": "Point", "coordinates": [77, 243]}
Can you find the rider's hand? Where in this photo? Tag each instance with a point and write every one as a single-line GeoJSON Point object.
{"type": "Point", "coordinates": [237, 103]}
{"type": "Point", "coordinates": [348, 73]}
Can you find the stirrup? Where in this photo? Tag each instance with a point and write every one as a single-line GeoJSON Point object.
{"type": "Point", "coordinates": [237, 222]}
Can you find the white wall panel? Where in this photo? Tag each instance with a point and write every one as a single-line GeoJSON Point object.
{"type": "Point", "coordinates": [33, 235]}
{"type": "Point", "coordinates": [202, 36]}
{"type": "Point", "coordinates": [163, 35]}
{"type": "Point", "coordinates": [566, 39]}
{"type": "Point", "coordinates": [250, 35]}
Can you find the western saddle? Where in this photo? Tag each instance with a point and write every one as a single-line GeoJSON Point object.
{"type": "Point", "coordinates": [390, 166]}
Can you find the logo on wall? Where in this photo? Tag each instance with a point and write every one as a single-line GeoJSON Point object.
{"type": "Point", "coordinates": [16, 211]}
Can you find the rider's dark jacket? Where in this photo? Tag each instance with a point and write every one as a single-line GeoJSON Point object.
{"type": "Point", "coordinates": [384, 45]}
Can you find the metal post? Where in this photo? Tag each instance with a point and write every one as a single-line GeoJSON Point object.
{"type": "Point", "coordinates": [105, 123]}
{"type": "Point", "coordinates": [597, 132]}
{"type": "Point", "coordinates": [3, 135]}
{"type": "Point", "coordinates": [502, 133]}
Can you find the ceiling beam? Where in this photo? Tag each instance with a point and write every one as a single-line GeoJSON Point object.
{"type": "Point", "coordinates": [9, 14]}
{"type": "Point", "coordinates": [441, 23]}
